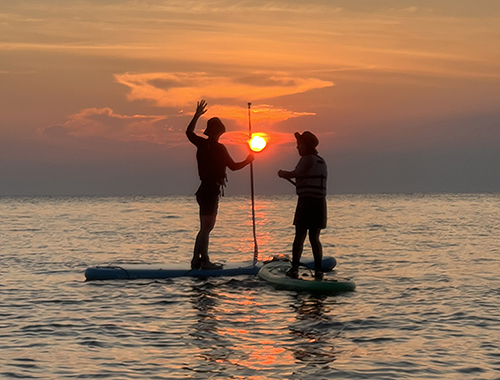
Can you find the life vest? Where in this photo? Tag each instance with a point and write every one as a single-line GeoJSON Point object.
{"type": "Point", "coordinates": [211, 159]}
{"type": "Point", "coordinates": [313, 183]}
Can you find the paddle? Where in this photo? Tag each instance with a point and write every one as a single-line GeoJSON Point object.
{"type": "Point", "coordinates": [255, 246]}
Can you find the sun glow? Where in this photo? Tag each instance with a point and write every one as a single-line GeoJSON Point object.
{"type": "Point", "coordinates": [257, 143]}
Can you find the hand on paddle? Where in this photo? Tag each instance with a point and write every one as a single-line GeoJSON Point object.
{"type": "Point", "coordinates": [283, 174]}
{"type": "Point", "coordinates": [250, 158]}
{"type": "Point", "coordinates": [286, 175]}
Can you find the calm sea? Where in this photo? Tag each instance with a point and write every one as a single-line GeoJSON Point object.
{"type": "Point", "coordinates": [427, 304]}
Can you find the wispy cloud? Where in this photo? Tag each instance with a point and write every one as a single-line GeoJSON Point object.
{"type": "Point", "coordinates": [228, 96]}
{"type": "Point", "coordinates": [270, 35]}
{"type": "Point", "coordinates": [264, 116]}
{"type": "Point", "coordinates": [179, 89]}
{"type": "Point", "coordinates": [104, 122]}
{"type": "Point", "coordinates": [159, 129]}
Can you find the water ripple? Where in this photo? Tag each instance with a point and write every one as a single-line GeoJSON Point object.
{"type": "Point", "coordinates": [426, 305]}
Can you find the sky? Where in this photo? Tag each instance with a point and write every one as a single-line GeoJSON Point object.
{"type": "Point", "coordinates": [95, 96]}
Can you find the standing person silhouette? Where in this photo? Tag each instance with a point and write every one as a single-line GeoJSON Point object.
{"type": "Point", "coordinates": [212, 158]}
{"type": "Point", "coordinates": [310, 215]}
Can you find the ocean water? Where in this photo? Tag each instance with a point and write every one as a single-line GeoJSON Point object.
{"type": "Point", "coordinates": [427, 303]}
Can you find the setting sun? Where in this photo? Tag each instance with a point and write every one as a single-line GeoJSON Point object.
{"type": "Point", "coordinates": [257, 143]}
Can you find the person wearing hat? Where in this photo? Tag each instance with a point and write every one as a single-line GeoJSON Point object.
{"type": "Point", "coordinates": [212, 158]}
{"type": "Point", "coordinates": [310, 215]}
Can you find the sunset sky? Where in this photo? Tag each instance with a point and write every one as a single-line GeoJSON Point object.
{"type": "Point", "coordinates": [95, 95]}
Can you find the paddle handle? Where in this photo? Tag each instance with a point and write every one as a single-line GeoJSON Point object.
{"type": "Point", "coordinates": [255, 246]}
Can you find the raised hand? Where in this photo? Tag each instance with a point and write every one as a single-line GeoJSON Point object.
{"type": "Point", "coordinates": [201, 108]}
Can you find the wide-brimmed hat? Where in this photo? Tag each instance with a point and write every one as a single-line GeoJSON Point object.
{"type": "Point", "coordinates": [307, 138]}
{"type": "Point", "coordinates": [214, 127]}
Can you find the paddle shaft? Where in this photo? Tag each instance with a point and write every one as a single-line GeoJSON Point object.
{"type": "Point", "coordinates": [252, 195]}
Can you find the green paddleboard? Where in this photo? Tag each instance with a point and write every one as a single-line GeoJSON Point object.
{"type": "Point", "coordinates": [275, 273]}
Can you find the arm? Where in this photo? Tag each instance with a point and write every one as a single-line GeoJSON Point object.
{"type": "Point", "coordinates": [286, 174]}
{"type": "Point", "coordinates": [201, 108]}
{"type": "Point", "coordinates": [302, 168]}
{"type": "Point", "coordinates": [237, 165]}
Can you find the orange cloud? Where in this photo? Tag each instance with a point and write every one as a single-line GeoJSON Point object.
{"type": "Point", "coordinates": [179, 89]}
{"type": "Point", "coordinates": [262, 115]}
{"type": "Point", "coordinates": [104, 122]}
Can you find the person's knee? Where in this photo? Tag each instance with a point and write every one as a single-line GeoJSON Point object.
{"type": "Point", "coordinates": [300, 234]}
{"type": "Point", "coordinates": [205, 230]}
{"type": "Point", "coordinates": [207, 223]}
{"type": "Point", "coordinates": [314, 234]}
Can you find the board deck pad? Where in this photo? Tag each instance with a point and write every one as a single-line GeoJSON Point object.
{"type": "Point", "coordinates": [275, 273]}
{"type": "Point", "coordinates": [156, 271]}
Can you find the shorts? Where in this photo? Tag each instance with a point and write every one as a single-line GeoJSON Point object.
{"type": "Point", "coordinates": [310, 213]}
{"type": "Point", "coordinates": [207, 197]}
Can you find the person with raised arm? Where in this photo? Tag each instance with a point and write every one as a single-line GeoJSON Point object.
{"type": "Point", "coordinates": [213, 159]}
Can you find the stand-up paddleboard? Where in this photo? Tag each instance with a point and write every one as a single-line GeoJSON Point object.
{"type": "Point", "coordinates": [134, 271]}
{"type": "Point", "coordinates": [275, 273]}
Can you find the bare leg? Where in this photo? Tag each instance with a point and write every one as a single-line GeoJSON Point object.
{"type": "Point", "coordinates": [207, 224]}
{"type": "Point", "coordinates": [298, 245]}
{"type": "Point", "coordinates": [317, 249]}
